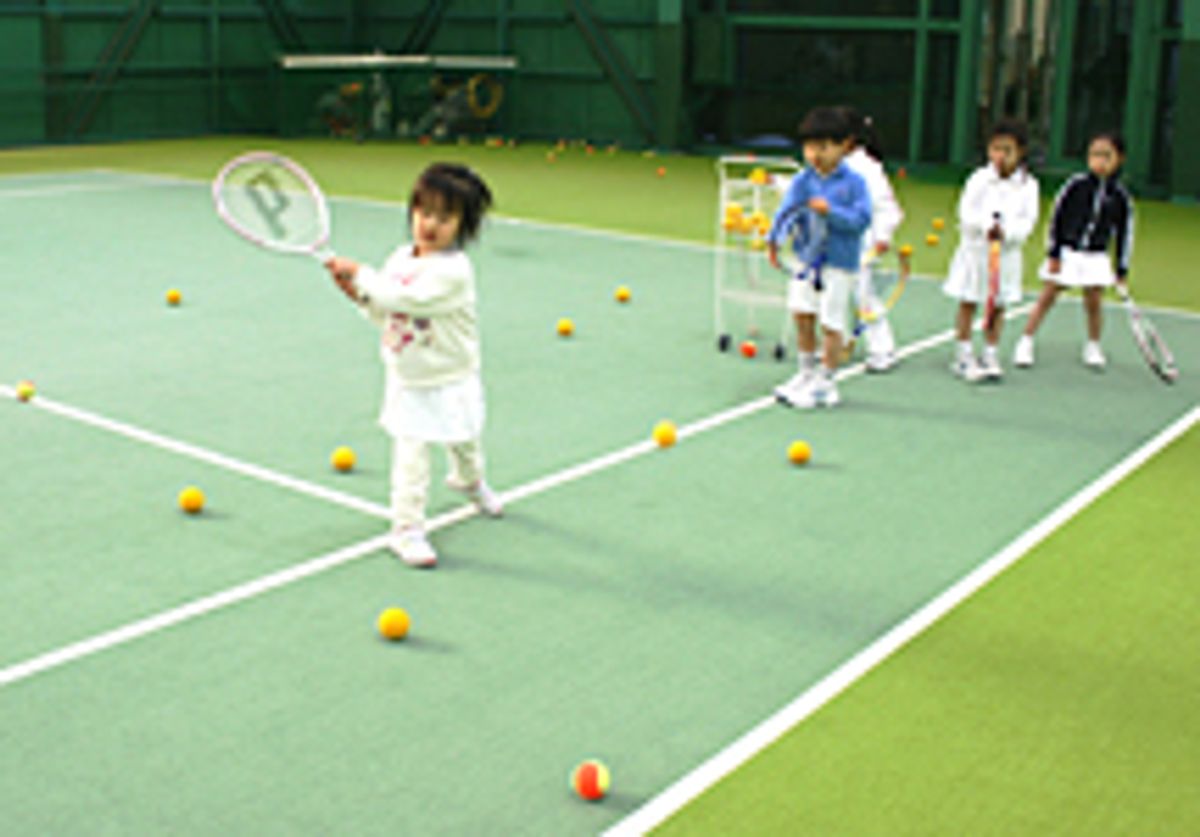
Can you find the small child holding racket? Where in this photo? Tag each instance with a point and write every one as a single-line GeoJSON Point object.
{"type": "Point", "coordinates": [827, 187]}
{"type": "Point", "coordinates": [998, 207]}
{"type": "Point", "coordinates": [1091, 209]}
{"type": "Point", "coordinates": [423, 300]}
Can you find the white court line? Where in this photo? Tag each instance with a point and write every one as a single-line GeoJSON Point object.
{"type": "Point", "coordinates": [250, 589]}
{"type": "Point", "coordinates": [683, 791]}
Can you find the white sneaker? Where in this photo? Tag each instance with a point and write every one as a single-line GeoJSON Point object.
{"type": "Point", "coordinates": [825, 393]}
{"type": "Point", "coordinates": [481, 494]}
{"type": "Point", "coordinates": [1093, 355]}
{"type": "Point", "coordinates": [989, 366]}
{"type": "Point", "coordinates": [412, 547]}
{"type": "Point", "coordinates": [967, 368]}
{"type": "Point", "coordinates": [794, 388]}
{"type": "Point", "coordinates": [1023, 352]}
{"type": "Point", "coordinates": [881, 361]}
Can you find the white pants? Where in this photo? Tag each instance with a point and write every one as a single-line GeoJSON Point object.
{"type": "Point", "coordinates": [410, 475]}
{"type": "Point", "coordinates": [880, 338]}
{"type": "Point", "coordinates": [830, 305]}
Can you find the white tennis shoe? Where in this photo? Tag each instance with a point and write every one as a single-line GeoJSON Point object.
{"type": "Point", "coordinates": [989, 366]}
{"type": "Point", "coordinates": [412, 547]}
{"type": "Point", "coordinates": [794, 388]}
{"type": "Point", "coordinates": [1093, 355]}
{"type": "Point", "coordinates": [967, 368]}
{"type": "Point", "coordinates": [487, 501]}
{"type": "Point", "coordinates": [1023, 352]}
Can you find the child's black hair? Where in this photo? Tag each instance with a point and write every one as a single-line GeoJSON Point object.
{"type": "Point", "coordinates": [1011, 126]}
{"type": "Point", "coordinates": [862, 131]}
{"type": "Point", "coordinates": [1113, 137]}
{"type": "Point", "coordinates": [462, 191]}
{"type": "Point", "coordinates": [824, 123]}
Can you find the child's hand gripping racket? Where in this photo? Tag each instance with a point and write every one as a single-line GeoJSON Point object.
{"type": "Point", "coordinates": [800, 251]}
{"type": "Point", "coordinates": [885, 281]}
{"type": "Point", "coordinates": [995, 236]}
{"type": "Point", "coordinates": [1149, 342]}
{"type": "Point", "coordinates": [273, 202]}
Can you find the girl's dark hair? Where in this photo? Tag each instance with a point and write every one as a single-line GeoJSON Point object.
{"type": "Point", "coordinates": [824, 123]}
{"type": "Point", "coordinates": [1114, 137]}
{"type": "Point", "coordinates": [462, 190]}
{"type": "Point", "coordinates": [862, 131]}
{"type": "Point", "coordinates": [1010, 126]}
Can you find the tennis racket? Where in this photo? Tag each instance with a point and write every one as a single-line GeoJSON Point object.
{"type": "Point", "coordinates": [1149, 342]}
{"type": "Point", "coordinates": [273, 202]}
{"type": "Point", "coordinates": [802, 246]}
{"type": "Point", "coordinates": [886, 279]}
{"type": "Point", "coordinates": [993, 282]}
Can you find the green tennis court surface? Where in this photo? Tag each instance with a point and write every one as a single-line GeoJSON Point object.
{"type": "Point", "coordinates": [648, 612]}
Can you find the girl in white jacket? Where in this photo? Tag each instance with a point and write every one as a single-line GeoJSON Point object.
{"type": "Point", "coordinates": [423, 300]}
{"type": "Point", "coordinates": [999, 203]}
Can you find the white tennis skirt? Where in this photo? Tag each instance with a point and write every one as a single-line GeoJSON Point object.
{"type": "Point", "coordinates": [1080, 270]}
{"type": "Point", "coordinates": [449, 413]}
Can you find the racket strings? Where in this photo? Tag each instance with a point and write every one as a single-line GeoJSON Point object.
{"type": "Point", "coordinates": [274, 206]}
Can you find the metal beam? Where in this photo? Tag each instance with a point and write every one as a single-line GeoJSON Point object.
{"type": "Point", "coordinates": [1066, 14]}
{"type": "Point", "coordinates": [283, 25]}
{"type": "Point", "coordinates": [109, 64]}
{"type": "Point", "coordinates": [424, 28]}
{"type": "Point", "coordinates": [616, 67]}
{"type": "Point", "coordinates": [966, 85]}
{"type": "Point", "coordinates": [916, 107]}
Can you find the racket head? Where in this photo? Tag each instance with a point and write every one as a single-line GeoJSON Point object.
{"type": "Point", "coordinates": [271, 201]}
{"type": "Point", "coordinates": [1150, 343]}
{"type": "Point", "coordinates": [802, 243]}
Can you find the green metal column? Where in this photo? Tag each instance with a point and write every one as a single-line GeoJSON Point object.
{"type": "Point", "coordinates": [1066, 14]}
{"type": "Point", "coordinates": [1141, 93]}
{"type": "Point", "coordinates": [668, 73]}
{"type": "Point", "coordinates": [916, 107]}
{"type": "Point", "coordinates": [966, 86]}
{"type": "Point", "coordinates": [1185, 162]}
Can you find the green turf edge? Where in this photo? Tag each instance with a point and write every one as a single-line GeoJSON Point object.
{"type": "Point", "coordinates": [1060, 699]}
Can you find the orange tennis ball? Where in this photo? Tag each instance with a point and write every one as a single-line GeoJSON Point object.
{"type": "Point", "coordinates": [393, 623]}
{"type": "Point", "coordinates": [591, 780]}
{"type": "Point", "coordinates": [938, 223]}
{"type": "Point", "coordinates": [565, 327]}
{"type": "Point", "coordinates": [749, 348]}
{"type": "Point", "coordinates": [799, 453]}
{"type": "Point", "coordinates": [932, 239]}
{"type": "Point", "coordinates": [191, 500]}
{"type": "Point", "coordinates": [661, 171]}
{"type": "Point", "coordinates": [623, 294]}
{"type": "Point", "coordinates": [25, 390]}
{"type": "Point", "coordinates": [343, 459]}
{"type": "Point", "coordinates": [665, 433]}
{"type": "Point", "coordinates": [174, 296]}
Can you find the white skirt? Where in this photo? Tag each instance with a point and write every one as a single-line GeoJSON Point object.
{"type": "Point", "coordinates": [967, 280]}
{"type": "Point", "coordinates": [449, 413]}
{"type": "Point", "coordinates": [1080, 270]}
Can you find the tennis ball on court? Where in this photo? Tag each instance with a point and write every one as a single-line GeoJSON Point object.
{"type": "Point", "coordinates": [25, 390]}
{"type": "Point", "coordinates": [343, 459]}
{"type": "Point", "coordinates": [623, 294]}
{"type": "Point", "coordinates": [191, 500]}
{"type": "Point", "coordinates": [565, 327]}
{"type": "Point", "coordinates": [906, 250]}
{"type": "Point", "coordinates": [393, 623]}
{"type": "Point", "coordinates": [799, 452]}
{"type": "Point", "coordinates": [661, 171]}
{"type": "Point", "coordinates": [591, 780]}
{"type": "Point", "coordinates": [551, 157]}
{"type": "Point", "coordinates": [757, 243]}
{"type": "Point", "coordinates": [749, 348]}
{"type": "Point", "coordinates": [174, 296]}
{"type": "Point", "coordinates": [902, 173]}
{"type": "Point", "coordinates": [938, 223]}
{"type": "Point", "coordinates": [932, 239]}
{"type": "Point", "coordinates": [665, 433]}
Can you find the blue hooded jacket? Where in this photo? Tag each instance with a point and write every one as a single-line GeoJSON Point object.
{"type": "Point", "coordinates": [849, 212]}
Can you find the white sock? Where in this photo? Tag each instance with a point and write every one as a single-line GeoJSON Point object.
{"type": "Point", "coordinates": [989, 351]}
{"type": "Point", "coordinates": [965, 350]}
{"type": "Point", "coordinates": [807, 361]}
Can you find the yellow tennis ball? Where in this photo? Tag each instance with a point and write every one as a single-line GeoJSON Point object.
{"type": "Point", "coordinates": [906, 250]}
{"type": "Point", "coordinates": [733, 210]}
{"type": "Point", "coordinates": [565, 327]}
{"type": "Point", "coordinates": [757, 243]}
{"type": "Point", "coordinates": [393, 623]}
{"type": "Point", "coordinates": [938, 223]}
{"type": "Point", "coordinates": [623, 294]}
{"type": "Point", "coordinates": [343, 459]}
{"type": "Point", "coordinates": [25, 390]}
{"type": "Point", "coordinates": [174, 296]}
{"type": "Point", "coordinates": [665, 433]}
{"type": "Point", "coordinates": [758, 176]}
{"type": "Point", "coordinates": [191, 500]}
{"type": "Point", "coordinates": [799, 452]}
{"type": "Point", "coordinates": [932, 239]}
{"type": "Point", "coordinates": [591, 780]}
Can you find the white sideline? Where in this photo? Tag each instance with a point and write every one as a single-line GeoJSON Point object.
{"type": "Point", "coordinates": [691, 785]}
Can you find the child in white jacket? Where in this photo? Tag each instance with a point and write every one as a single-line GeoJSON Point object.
{"type": "Point", "coordinates": [999, 203]}
{"type": "Point", "coordinates": [423, 300]}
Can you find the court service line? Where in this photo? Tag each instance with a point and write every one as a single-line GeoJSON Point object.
{"type": "Point", "coordinates": [199, 607]}
{"type": "Point", "coordinates": [733, 756]}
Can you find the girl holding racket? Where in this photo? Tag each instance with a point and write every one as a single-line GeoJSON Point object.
{"type": "Point", "coordinates": [423, 301]}
{"type": "Point", "coordinates": [997, 212]}
{"type": "Point", "coordinates": [1090, 210]}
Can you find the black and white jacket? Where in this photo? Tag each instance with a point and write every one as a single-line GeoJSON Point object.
{"type": "Point", "coordinates": [1087, 212]}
